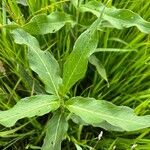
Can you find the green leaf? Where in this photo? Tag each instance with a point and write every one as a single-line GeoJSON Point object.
{"type": "Point", "coordinates": [93, 111]}
{"type": "Point", "coordinates": [99, 66]}
{"type": "Point", "coordinates": [43, 24]}
{"type": "Point", "coordinates": [76, 64]}
{"type": "Point", "coordinates": [56, 129]}
{"type": "Point", "coordinates": [42, 62]}
{"type": "Point", "coordinates": [105, 125]}
{"type": "Point", "coordinates": [29, 107]}
{"type": "Point", "coordinates": [118, 18]}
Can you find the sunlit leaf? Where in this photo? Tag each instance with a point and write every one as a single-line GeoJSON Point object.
{"type": "Point", "coordinates": [29, 107]}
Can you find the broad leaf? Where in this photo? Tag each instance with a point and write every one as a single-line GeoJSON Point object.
{"type": "Point", "coordinates": [93, 111]}
{"type": "Point", "coordinates": [43, 24]}
{"type": "Point", "coordinates": [99, 66]}
{"type": "Point", "coordinates": [76, 64]}
{"type": "Point", "coordinates": [56, 129]}
{"type": "Point", "coordinates": [118, 18]}
{"type": "Point", "coordinates": [42, 62]}
{"type": "Point", "coordinates": [29, 107]}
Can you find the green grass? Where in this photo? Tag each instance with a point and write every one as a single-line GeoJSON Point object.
{"type": "Point", "coordinates": [128, 75]}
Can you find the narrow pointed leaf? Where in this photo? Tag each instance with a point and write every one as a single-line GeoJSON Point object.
{"type": "Point", "coordinates": [43, 63]}
{"type": "Point", "coordinates": [75, 3]}
{"type": "Point", "coordinates": [78, 147]}
{"type": "Point", "coordinates": [93, 111]}
{"type": "Point", "coordinates": [29, 107]}
{"type": "Point", "coordinates": [99, 66]}
{"type": "Point", "coordinates": [43, 24]}
{"type": "Point", "coordinates": [56, 129]}
{"type": "Point", "coordinates": [76, 64]}
{"type": "Point", "coordinates": [118, 18]}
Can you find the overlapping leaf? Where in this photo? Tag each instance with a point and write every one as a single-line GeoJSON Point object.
{"type": "Point", "coordinates": [117, 18]}
{"type": "Point", "coordinates": [93, 111]}
{"type": "Point", "coordinates": [29, 107]}
{"type": "Point", "coordinates": [43, 24]}
{"type": "Point", "coordinates": [55, 133]}
{"type": "Point", "coordinates": [43, 63]}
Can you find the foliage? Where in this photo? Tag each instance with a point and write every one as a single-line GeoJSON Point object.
{"type": "Point", "coordinates": [58, 72]}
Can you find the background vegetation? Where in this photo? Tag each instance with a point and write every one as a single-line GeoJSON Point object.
{"type": "Point", "coordinates": [127, 72]}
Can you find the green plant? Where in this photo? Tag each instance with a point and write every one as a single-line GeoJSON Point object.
{"type": "Point", "coordinates": [81, 110]}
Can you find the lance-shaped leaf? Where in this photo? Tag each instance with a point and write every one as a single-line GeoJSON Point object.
{"type": "Point", "coordinates": [99, 66]}
{"type": "Point", "coordinates": [118, 18]}
{"type": "Point", "coordinates": [29, 107]}
{"type": "Point", "coordinates": [56, 129]}
{"type": "Point", "coordinates": [43, 63]}
{"type": "Point", "coordinates": [76, 64]}
{"type": "Point", "coordinates": [43, 24]}
{"type": "Point", "coordinates": [93, 111]}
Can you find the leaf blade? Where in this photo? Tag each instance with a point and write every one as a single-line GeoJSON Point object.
{"type": "Point", "coordinates": [43, 24]}
{"type": "Point", "coordinates": [99, 66]}
{"type": "Point", "coordinates": [76, 64]}
{"type": "Point", "coordinates": [94, 111]}
{"type": "Point", "coordinates": [56, 130]}
{"type": "Point", "coordinates": [43, 63]}
{"type": "Point", "coordinates": [118, 18]}
{"type": "Point", "coordinates": [28, 107]}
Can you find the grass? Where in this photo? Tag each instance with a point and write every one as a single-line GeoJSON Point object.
{"type": "Point", "coordinates": [128, 75]}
